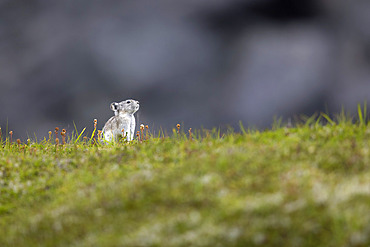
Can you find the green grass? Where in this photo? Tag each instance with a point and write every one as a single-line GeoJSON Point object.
{"type": "Point", "coordinates": [303, 186]}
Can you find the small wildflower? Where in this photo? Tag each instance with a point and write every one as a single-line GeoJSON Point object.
{"type": "Point", "coordinates": [63, 134]}
{"type": "Point", "coordinates": [50, 135]}
{"type": "Point", "coordinates": [142, 131]}
{"type": "Point", "coordinates": [95, 126]}
{"type": "Point", "coordinates": [85, 139]}
{"type": "Point", "coordinates": [190, 134]}
{"type": "Point", "coordinates": [19, 141]}
{"type": "Point", "coordinates": [147, 130]}
{"type": "Point", "coordinates": [56, 131]}
{"type": "Point", "coordinates": [11, 136]}
{"type": "Point", "coordinates": [99, 134]}
{"type": "Point", "coordinates": [138, 135]}
{"type": "Point", "coordinates": [123, 133]}
{"type": "Point", "coordinates": [178, 128]}
{"type": "Point", "coordinates": [57, 141]}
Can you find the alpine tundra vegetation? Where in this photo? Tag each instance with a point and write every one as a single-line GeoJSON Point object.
{"type": "Point", "coordinates": [306, 185]}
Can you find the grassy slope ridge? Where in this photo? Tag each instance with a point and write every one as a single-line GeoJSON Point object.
{"type": "Point", "coordinates": [304, 186]}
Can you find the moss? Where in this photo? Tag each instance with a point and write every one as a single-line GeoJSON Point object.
{"type": "Point", "coordinates": [304, 186]}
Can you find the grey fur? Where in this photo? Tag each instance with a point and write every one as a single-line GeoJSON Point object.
{"type": "Point", "coordinates": [123, 119]}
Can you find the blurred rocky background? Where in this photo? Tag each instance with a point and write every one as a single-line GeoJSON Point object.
{"type": "Point", "coordinates": [203, 63]}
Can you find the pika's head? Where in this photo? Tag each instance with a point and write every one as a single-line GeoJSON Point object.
{"type": "Point", "coordinates": [129, 106]}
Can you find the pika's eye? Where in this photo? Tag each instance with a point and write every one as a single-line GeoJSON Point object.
{"type": "Point", "coordinates": [128, 101]}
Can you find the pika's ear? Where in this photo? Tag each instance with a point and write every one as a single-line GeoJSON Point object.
{"type": "Point", "coordinates": [114, 106]}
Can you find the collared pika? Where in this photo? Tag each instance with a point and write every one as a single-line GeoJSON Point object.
{"type": "Point", "coordinates": [123, 119]}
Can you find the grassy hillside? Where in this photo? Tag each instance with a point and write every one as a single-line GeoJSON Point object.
{"type": "Point", "coordinates": [302, 186]}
